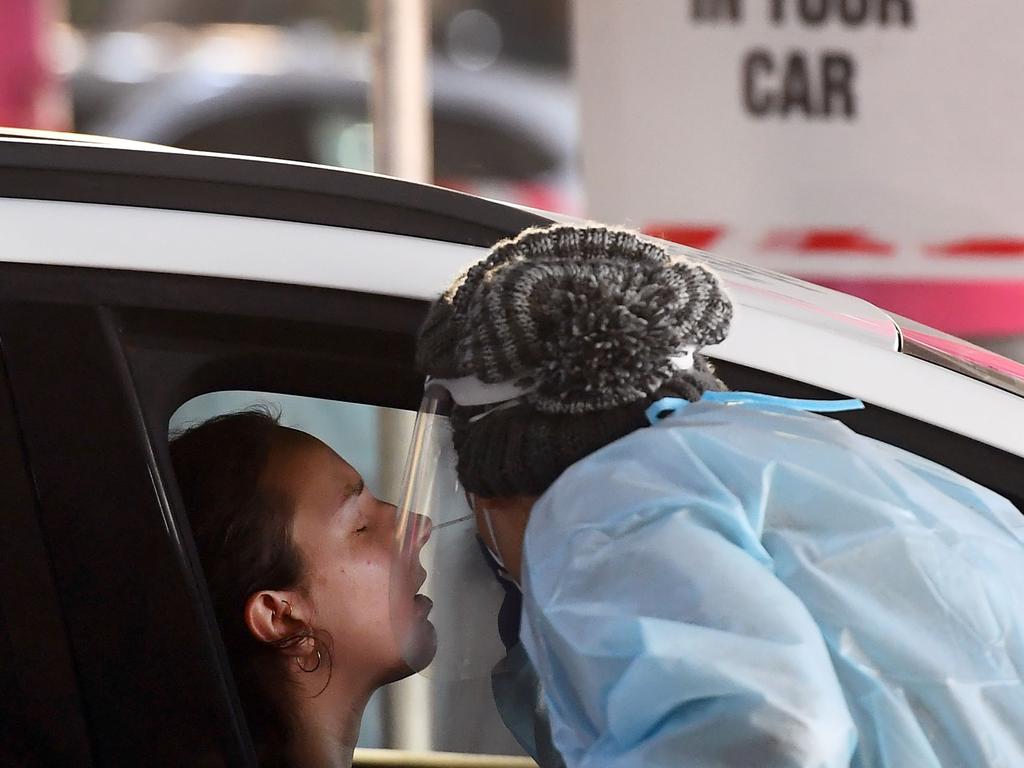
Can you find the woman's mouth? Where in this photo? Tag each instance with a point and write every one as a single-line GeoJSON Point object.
{"type": "Point", "coordinates": [423, 605]}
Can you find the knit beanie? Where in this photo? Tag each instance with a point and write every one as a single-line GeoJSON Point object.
{"type": "Point", "coordinates": [590, 322]}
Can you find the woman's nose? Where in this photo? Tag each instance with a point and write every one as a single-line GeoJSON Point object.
{"type": "Point", "coordinates": [422, 526]}
{"type": "Point", "coordinates": [419, 525]}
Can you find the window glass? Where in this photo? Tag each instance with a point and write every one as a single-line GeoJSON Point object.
{"type": "Point", "coordinates": [283, 133]}
{"type": "Point", "coordinates": [415, 713]}
{"type": "Point", "coordinates": [360, 433]}
{"type": "Point", "coordinates": [342, 139]}
{"type": "Point", "coordinates": [469, 147]}
{"type": "Point", "coordinates": [465, 146]}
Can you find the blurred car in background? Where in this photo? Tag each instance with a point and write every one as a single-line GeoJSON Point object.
{"type": "Point", "coordinates": [301, 94]}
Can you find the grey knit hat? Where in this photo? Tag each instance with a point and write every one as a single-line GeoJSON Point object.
{"type": "Point", "coordinates": [587, 320]}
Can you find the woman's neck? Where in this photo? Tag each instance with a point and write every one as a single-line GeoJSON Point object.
{"type": "Point", "coordinates": [316, 751]}
{"type": "Point", "coordinates": [326, 724]}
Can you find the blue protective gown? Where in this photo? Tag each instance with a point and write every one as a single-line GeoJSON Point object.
{"type": "Point", "coordinates": [741, 586]}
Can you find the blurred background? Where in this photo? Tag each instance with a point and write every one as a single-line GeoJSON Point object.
{"type": "Point", "coordinates": [292, 79]}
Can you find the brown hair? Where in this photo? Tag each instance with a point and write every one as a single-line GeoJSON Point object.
{"type": "Point", "coordinates": [242, 532]}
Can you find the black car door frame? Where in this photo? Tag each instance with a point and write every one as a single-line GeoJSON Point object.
{"type": "Point", "coordinates": [41, 716]}
{"type": "Point", "coordinates": [99, 360]}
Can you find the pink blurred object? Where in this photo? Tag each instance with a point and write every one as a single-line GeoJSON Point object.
{"type": "Point", "coordinates": [964, 351]}
{"type": "Point", "coordinates": [976, 308]}
{"type": "Point", "coordinates": [31, 94]}
{"type": "Point", "coordinates": [834, 241]}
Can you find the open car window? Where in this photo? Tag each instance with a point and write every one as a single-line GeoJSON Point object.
{"type": "Point", "coordinates": [337, 366]}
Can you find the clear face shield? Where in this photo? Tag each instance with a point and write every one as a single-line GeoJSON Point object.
{"type": "Point", "coordinates": [437, 543]}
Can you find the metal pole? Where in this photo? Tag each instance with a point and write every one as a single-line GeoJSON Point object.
{"type": "Point", "coordinates": [400, 93]}
{"type": "Point", "coordinates": [402, 147]}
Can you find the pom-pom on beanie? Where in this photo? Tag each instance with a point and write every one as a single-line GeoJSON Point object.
{"type": "Point", "coordinates": [589, 320]}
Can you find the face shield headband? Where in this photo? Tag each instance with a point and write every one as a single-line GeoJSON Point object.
{"type": "Point", "coordinates": [469, 391]}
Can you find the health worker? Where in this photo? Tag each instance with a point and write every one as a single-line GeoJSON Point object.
{"type": "Point", "coordinates": [710, 578]}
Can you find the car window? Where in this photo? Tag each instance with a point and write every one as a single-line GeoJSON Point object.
{"type": "Point", "coordinates": [342, 139]}
{"type": "Point", "coordinates": [285, 133]}
{"type": "Point", "coordinates": [368, 437]}
{"type": "Point", "coordinates": [338, 365]}
{"type": "Point", "coordinates": [374, 440]}
{"type": "Point", "coordinates": [471, 147]}
{"type": "Point", "coordinates": [465, 146]}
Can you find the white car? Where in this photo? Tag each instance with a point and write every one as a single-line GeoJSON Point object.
{"type": "Point", "coordinates": [141, 287]}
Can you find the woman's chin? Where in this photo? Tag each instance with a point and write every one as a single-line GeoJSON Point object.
{"type": "Point", "coordinates": [422, 647]}
{"type": "Point", "coordinates": [416, 636]}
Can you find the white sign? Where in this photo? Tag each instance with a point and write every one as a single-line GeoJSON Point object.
{"type": "Point", "coordinates": [874, 145]}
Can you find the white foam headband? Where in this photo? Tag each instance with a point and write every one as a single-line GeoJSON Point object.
{"type": "Point", "coordinates": [470, 391]}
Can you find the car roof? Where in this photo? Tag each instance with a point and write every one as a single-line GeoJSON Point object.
{"type": "Point", "coordinates": [152, 176]}
{"type": "Point", "coordinates": [782, 325]}
{"type": "Point", "coordinates": [941, 348]}
{"type": "Point", "coordinates": [33, 134]}
{"type": "Point", "coordinates": [143, 167]}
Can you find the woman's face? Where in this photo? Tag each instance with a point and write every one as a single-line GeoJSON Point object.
{"type": "Point", "coordinates": [361, 592]}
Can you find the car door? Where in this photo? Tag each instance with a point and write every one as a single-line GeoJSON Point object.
{"type": "Point", "coordinates": [42, 719]}
{"type": "Point", "coordinates": [347, 356]}
{"type": "Point", "coordinates": [100, 361]}
{"type": "Point", "coordinates": [137, 627]}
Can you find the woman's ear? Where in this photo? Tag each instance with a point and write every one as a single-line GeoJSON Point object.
{"type": "Point", "coordinates": [274, 617]}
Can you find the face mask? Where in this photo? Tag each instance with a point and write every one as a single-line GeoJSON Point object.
{"type": "Point", "coordinates": [490, 530]}
{"type": "Point", "coordinates": [486, 512]}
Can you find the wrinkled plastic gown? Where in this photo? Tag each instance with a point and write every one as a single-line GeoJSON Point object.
{"type": "Point", "coordinates": [741, 586]}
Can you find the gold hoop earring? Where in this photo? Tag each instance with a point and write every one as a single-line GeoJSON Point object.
{"type": "Point", "coordinates": [315, 667]}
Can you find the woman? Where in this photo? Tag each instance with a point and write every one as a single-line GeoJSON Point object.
{"type": "Point", "coordinates": [299, 561]}
{"type": "Point", "coordinates": [714, 578]}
